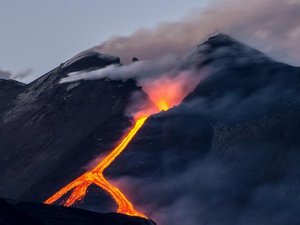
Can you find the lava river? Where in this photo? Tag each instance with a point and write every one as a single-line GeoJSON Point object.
{"type": "Point", "coordinates": [95, 176]}
{"type": "Point", "coordinates": [164, 93]}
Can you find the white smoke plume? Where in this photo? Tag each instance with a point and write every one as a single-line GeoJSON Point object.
{"type": "Point", "coordinates": [133, 70]}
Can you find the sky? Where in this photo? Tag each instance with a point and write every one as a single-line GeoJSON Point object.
{"type": "Point", "coordinates": [38, 35]}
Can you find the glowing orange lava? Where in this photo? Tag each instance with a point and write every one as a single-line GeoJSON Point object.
{"type": "Point", "coordinates": [95, 176]}
{"type": "Point", "coordinates": [164, 93]}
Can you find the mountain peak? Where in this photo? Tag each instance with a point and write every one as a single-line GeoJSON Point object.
{"type": "Point", "coordinates": [88, 60]}
{"type": "Point", "coordinates": [222, 49]}
{"type": "Point", "coordinates": [221, 39]}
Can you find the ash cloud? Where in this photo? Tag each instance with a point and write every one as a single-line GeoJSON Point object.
{"type": "Point", "coordinates": [270, 25]}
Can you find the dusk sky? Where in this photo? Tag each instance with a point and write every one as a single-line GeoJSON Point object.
{"type": "Point", "coordinates": [40, 34]}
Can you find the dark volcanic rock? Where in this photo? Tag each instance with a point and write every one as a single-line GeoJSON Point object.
{"type": "Point", "coordinates": [17, 213]}
{"type": "Point", "coordinates": [8, 91]}
{"type": "Point", "coordinates": [9, 215]}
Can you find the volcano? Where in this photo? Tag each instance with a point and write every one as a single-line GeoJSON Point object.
{"type": "Point", "coordinates": [227, 153]}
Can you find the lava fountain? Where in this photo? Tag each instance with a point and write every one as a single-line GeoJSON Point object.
{"type": "Point", "coordinates": [164, 92]}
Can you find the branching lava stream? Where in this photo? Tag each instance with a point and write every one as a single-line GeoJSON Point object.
{"type": "Point", "coordinates": [95, 176]}
{"type": "Point", "coordinates": [164, 93]}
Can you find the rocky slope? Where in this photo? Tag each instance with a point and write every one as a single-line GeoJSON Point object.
{"type": "Point", "coordinates": [9, 89]}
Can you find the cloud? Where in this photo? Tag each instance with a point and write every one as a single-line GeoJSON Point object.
{"type": "Point", "coordinates": [270, 25]}
{"type": "Point", "coordinates": [22, 75]}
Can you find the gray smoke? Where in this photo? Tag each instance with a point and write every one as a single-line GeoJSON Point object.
{"type": "Point", "coordinates": [271, 26]}
{"type": "Point", "coordinates": [22, 75]}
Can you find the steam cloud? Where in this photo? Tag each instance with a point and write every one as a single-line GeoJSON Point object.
{"type": "Point", "coordinates": [140, 69]}
{"type": "Point", "coordinates": [166, 76]}
{"type": "Point", "coordinates": [270, 25]}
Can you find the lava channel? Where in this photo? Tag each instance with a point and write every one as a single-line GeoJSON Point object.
{"type": "Point", "coordinates": [164, 92]}
{"type": "Point", "coordinates": [95, 176]}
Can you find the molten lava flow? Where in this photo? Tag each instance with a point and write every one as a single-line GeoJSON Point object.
{"type": "Point", "coordinates": [164, 93]}
{"type": "Point", "coordinates": [162, 105]}
{"type": "Point", "coordinates": [95, 176]}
